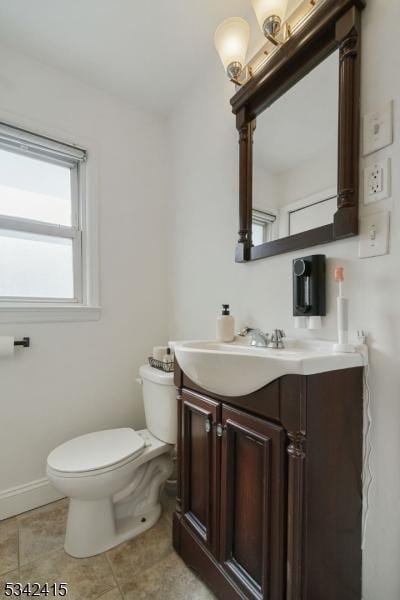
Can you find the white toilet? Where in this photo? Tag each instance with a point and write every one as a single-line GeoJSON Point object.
{"type": "Point", "coordinates": [113, 477]}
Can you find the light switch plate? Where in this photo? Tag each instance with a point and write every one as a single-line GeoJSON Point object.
{"type": "Point", "coordinates": [378, 129]}
{"type": "Point", "coordinates": [377, 181]}
{"type": "Point", "coordinates": [374, 235]}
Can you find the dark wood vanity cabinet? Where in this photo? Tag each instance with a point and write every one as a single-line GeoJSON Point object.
{"type": "Point", "coordinates": [200, 467]}
{"type": "Point", "coordinates": [233, 489]}
{"type": "Point", "coordinates": [269, 488]}
{"type": "Point", "coordinates": [252, 502]}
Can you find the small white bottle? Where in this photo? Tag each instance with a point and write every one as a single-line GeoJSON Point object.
{"type": "Point", "coordinates": [168, 357]}
{"type": "Point", "coordinates": [225, 325]}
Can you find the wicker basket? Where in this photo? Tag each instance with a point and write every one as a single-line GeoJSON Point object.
{"type": "Point", "coordinates": [168, 367]}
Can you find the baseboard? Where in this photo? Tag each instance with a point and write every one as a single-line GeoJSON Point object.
{"type": "Point", "coordinates": [17, 500]}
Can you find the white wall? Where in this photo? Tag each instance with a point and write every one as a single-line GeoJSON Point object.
{"type": "Point", "coordinates": [204, 275]}
{"type": "Point", "coordinates": [266, 188]}
{"type": "Point", "coordinates": [78, 377]}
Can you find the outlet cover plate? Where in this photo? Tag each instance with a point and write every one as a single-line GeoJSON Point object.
{"type": "Point", "coordinates": [377, 181]}
{"type": "Point", "coordinates": [378, 129]}
{"type": "Point", "coordinates": [374, 235]}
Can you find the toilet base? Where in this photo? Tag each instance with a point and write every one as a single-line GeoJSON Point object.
{"type": "Point", "coordinates": [97, 537]}
{"type": "Point", "coordinates": [94, 526]}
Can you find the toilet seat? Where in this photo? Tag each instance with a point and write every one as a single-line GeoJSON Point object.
{"type": "Point", "coordinates": [96, 452]}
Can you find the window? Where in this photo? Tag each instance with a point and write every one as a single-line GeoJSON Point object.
{"type": "Point", "coordinates": [262, 226]}
{"type": "Point", "coordinates": [314, 214]}
{"type": "Point", "coordinates": [41, 219]}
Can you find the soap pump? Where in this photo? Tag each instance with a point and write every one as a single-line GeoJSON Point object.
{"type": "Point", "coordinates": [342, 344]}
{"type": "Point", "coordinates": [309, 291]}
{"type": "Point", "coordinates": [225, 325]}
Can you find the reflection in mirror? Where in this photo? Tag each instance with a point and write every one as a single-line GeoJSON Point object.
{"type": "Point", "coordinates": [295, 157]}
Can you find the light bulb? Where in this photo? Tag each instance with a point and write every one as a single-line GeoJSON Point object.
{"type": "Point", "coordinates": [231, 41]}
{"type": "Point", "coordinates": [270, 15]}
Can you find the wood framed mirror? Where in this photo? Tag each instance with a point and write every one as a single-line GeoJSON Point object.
{"type": "Point", "coordinates": [298, 119]}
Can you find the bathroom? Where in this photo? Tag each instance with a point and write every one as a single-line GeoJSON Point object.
{"type": "Point", "coordinates": [152, 110]}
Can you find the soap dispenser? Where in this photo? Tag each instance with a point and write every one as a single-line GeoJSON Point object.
{"type": "Point", "coordinates": [225, 325]}
{"type": "Point", "coordinates": [309, 296]}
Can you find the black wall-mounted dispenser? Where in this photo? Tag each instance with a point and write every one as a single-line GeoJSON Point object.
{"type": "Point", "coordinates": [309, 293]}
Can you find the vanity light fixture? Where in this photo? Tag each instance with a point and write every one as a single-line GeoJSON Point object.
{"type": "Point", "coordinates": [232, 36]}
{"type": "Point", "coordinates": [270, 16]}
{"type": "Point", "coordinates": [231, 41]}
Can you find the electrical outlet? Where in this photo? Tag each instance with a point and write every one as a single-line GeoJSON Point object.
{"type": "Point", "coordinates": [377, 180]}
{"type": "Point", "coordinates": [374, 235]}
{"type": "Point", "coordinates": [378, 129]}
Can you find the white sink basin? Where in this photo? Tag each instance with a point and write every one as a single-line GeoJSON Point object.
{"type": "Point", "coordinates": [238, 369]}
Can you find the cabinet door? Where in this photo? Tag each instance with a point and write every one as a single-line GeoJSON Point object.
{"type": "Point", "coordinates": [201, 465]}
{"type": "Point", "coordinates": [252, 504]}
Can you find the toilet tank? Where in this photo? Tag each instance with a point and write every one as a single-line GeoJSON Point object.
{"type": "Point", "coordinates": [159, 398]}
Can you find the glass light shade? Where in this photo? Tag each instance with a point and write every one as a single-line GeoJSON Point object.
{"type": "Point", "coordinates": [231, 41]}
{"type": "Point", "coordinates": [269, 8]}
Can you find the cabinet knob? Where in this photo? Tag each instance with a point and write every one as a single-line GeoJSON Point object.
{"type": "Point", "coordinates": [220, 430]}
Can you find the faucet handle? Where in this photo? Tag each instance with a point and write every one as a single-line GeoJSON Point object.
{"type": "Point", "coordinates": [277, 334]}
{"type": "Point", "coordinates": [277, 339]}
{"type": "Point", "coordinates": [244, 331]}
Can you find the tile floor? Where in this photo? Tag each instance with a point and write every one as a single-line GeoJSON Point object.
{"type": "Point", "coordinates": [31, 550]}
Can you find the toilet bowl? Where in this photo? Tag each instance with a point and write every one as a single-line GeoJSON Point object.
{"type": "Point", "coordinates": [113, 477]}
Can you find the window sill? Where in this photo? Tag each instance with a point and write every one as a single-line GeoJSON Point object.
{"type": "Point", "coordinates": [48, 314]}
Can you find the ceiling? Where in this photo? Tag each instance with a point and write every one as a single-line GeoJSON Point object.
{"type": "Point", "coordinates": [145, 52]}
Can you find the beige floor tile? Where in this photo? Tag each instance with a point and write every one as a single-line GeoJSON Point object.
{"type": "Point", "coordinates": [169, 579]}
{"type": "Point", "coordinates": [168, 502]}
{"type": "Point", "coordinates": [135, 556]}
{"type": "Point", "coordinates": [10, 577]}
{"type": "Point", "coordinates": [30, 514]}
{"type": "Point", "coordinates": [166, 517]}
{"type": "Point", "coordinates": [143, 568]}
{"type": "Point", "coordinates": [87, 578]}
{"type": "Point", "coordinates": [41, 531]}
{"type": "Point", "coordinates": [112, 595]}
{"type": "Point", "coordinates": [8, 545]}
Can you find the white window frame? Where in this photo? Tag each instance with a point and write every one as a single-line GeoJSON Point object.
{"type": "Point", "coordinates": [29, 309]}
{"type": "Point", "coordinates": [322, 196]}
{"type": "Point", "coordinates": [268, 220]}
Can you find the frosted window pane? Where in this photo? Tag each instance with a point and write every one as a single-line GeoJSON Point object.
{"type": "Point", "coordinates": [34, 189]}
{"type": "Point", "coordinates": [258, 234]}
{"type": "Point", "coordinates": [35, 266]}
{"type": "Point", "coordinates": [315, 215]}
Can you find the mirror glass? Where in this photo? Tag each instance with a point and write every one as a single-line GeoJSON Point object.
{"type": "Point", "coordinates": [295, 157]}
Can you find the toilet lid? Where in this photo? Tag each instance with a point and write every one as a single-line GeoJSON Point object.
{"type": "Point", "coordinates": [96, 450]}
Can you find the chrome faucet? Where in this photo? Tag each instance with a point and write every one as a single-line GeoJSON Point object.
{"type": "Point", "coordinates": [257, 337]}
{"type": "Point", "coordinates": [260, 339]}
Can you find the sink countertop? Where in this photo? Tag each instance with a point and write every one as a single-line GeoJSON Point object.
{"type": "Point", "coordinates": [237, 368]}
